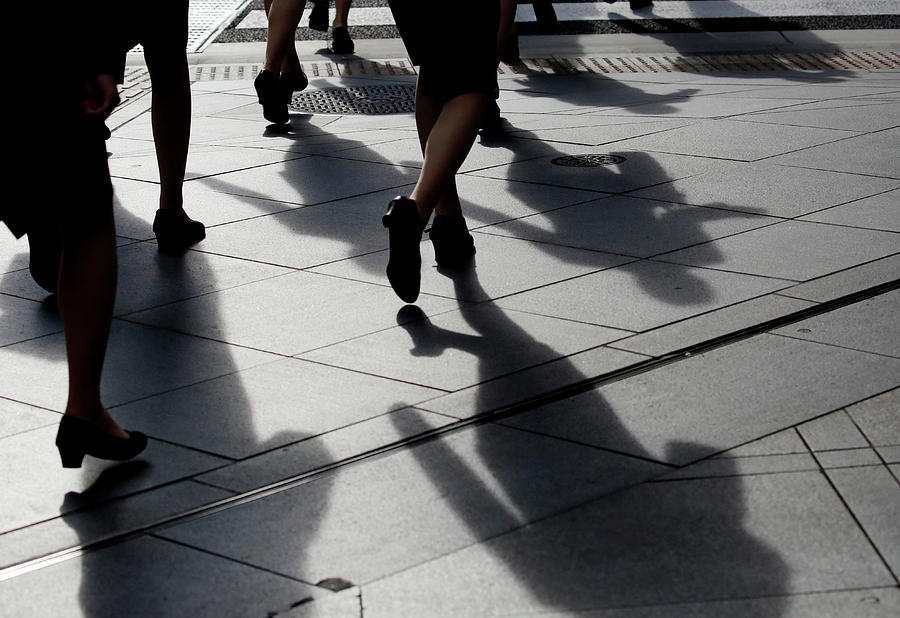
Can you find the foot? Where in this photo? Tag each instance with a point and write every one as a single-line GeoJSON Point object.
{"type": "Point", "coordinates": [405, 262]}
{"type": "Point", "coordinates": [175, 231]}
{"type": "Point", "coordinates": [271, 97]}
{"type": "Point", "coordinates": [453, 245]}
{"type": "Point", "coordinates": [77, 438]}
{"type": "Point", "coordinates": [341, 43]}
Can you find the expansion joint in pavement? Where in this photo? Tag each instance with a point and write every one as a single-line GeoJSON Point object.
{"type": "Point", "coordinates": [563, 392]}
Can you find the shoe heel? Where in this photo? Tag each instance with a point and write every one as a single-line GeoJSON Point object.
{"type": "Point", "coordinates": [71, 457]}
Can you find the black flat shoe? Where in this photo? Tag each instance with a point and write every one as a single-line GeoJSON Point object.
{"type": "Point", "coordinates": [405, 262]}
{"type": "Point", "coordinates": [341, 43]}
{"type": "Point", "coordinates": [453, 245]}
{"type": "Point", "coordinates": [175, 233]}
{"type": "Point", "coordinates": [77, 438]}
{"type": "Point", "coordinates": [271, 97]}
{"type": "Point", "coordinates": [318, 17]}
{"type": "Point", "coordinates": [292, 82]}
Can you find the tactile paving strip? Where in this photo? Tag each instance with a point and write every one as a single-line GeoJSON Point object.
{"type": "Point", "coordinates": [137, 80]}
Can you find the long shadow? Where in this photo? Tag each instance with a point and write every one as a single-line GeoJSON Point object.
{"type": "Point", "coordinates": [617, 225]}
{"type": "Point", "coordinates": [148, 576]}
{"type": "Point", "coordinates": [655, 544]}
{"type": "Point", "coordinates": [701, 26]}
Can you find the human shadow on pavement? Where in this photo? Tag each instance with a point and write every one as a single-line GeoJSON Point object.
{"type": "Point", "coordinates": [146, 575]}
{"type": "Point", "coordinates": [750, 22]}
{"type": "Point", "coordinates": [615, 225]}
{"type": "Point", "coordinates": [580, 529]}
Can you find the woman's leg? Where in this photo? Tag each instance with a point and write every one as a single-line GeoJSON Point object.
{"type": "Point", "coordinates": [284, 17]}
{"type": "Point", "coordinates": [447, 130]}
{"type": "Point", "coordinates": [87, 290]}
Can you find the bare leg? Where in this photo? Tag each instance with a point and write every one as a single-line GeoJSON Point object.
{"type": "Point", "coordinates": [284, 17]}
{"type": "Point", "coordinates": [171, 121]}
{"type": "Point", "coordinates": [342, 10]}
{"type": "Point", "coordinates": [447, 130]}
{"type": "Point", "coordinates": [87, 290]}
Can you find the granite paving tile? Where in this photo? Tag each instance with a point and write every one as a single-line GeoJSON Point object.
{"type": "Point", "coordinates": [848, 458]}
{"type": "Point", "coordinates": [267, 407]}
{"type": "Point", "coordinates": [313, 179]}
{"type": "Point", "coordinates": [862, 154]}
{"type": "Point", "coordinates": [136, 203]}
{"type": "Point", "coordinates": [725, 466]}
{"type": "Point", "coordinates": [890, 454]}
{"type": "Point", "coordinates": [19, 417]}
{"type": "Point", "coordinates": [93, 523]}
{"type": "Point", "coordinates": [148, 278]}
{"type": "Point", "coordinates": [865, 603]}
{"type": "Point", "coordinates": [704, 106]}
{"type": "Point", "coordinates": [288, 315]}
{"type": "Point", "coordinates": [37, 488]}
{"type": "Point", "coordinates": [792, 250]}
{"type": "Point", "coordinates": [24, 318]}
{"type": "Point", "coordinates": [849, 281]}
{"type": "Point", "coordinates": [528, 384]}
{"type": "Point", "coordinates": [763, 537]}
{"type": "Point", "coordinates": [640, 169]}
{"type": "Point", "coordinates": [731, 139]}
{"type": "Point", "coordinates": [845, 114]}
{"type": "Point", "coordinates": [632, 226]}
{"type": "Point", "coordinates": [714, 398]}
{"type": "Point", "coordinates": [874, 497]}
{"type": "Point", "coordinates": [879, 212]}
{"type": "Point", "coordinates": [641, 295]}
{"type": "Point", "coordinates": [593, 130]}
{"type": "Point", "coordinates": [505, 275]}
{"type": "Point", "coordinates": [869, 325]}
{"type": "Point", "coordinates": [832, 431]}
{"type": "Point", "coordinates": [461, 348]}
{"type": "Point", "coordinates": [140, 361]}
{"type": "Point", "coordinates": [763, 188]}
{"type": "Point", "coordinates": [357, 524]}
{"type": "Point", "coordinates": [13, 253]}
{"type": "Point", "coordinates": [202, 161]}
{"type": "Point", "coordinates": [150, 577]}
{"type": "Point", "coordinates": [786, 442]}
{"type": "Point", "coordinates": [323, 450]}
{"type": "Point", "coordinates": [877, 418]}
{"type": "Point", "coordinates": [707, 326]}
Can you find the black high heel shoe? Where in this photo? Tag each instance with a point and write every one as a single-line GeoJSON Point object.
{"type": "Point", "coordinates": [291, 82]}
{"type": "Point", "coordinates": [271, 97]}
{"type": "Point", "coordinates": [405, 262]}
{"type": "Point", "coordinates": [77, 438]}
{"type": "Point", "coordinates": [174, 232]}
{"type": "Point", "coordinates": [453, 245]}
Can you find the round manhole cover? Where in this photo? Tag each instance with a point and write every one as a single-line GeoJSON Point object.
{"type": "Point", "coordinates": [588, 160]}
{"type": "Point", "coordinates": [383, 99]}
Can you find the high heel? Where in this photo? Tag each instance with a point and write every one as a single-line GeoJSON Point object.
{"type": "Point", "coordinates": [453, 245]}
{"type": "Point", "coordinates": [77, 438]}
{"type": "Point", "coordinates": [271, 97]}
{"type": "Point", "coordinates": [175, 232]}
{"type": "Point", "coordinates": [291, 82]}
{"type": "Point", "coordinates": [405, 261]}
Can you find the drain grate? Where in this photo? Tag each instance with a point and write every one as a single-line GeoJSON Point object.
{"type": "Point", "coordinates": [381, 99]}
{"type": "Point", "coordinates": [588, 160]}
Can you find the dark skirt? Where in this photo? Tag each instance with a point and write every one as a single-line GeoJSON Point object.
{"type": "Point", "coordinates": [453, 43]}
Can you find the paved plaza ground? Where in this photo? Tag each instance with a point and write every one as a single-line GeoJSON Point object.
{"type": "Point", "coordinates": [667, 386]}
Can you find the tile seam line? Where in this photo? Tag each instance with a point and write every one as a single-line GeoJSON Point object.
{"type": "Point", "coordinates": [850, 510]}
{"type": "Point", "coordinates": [502, 412]}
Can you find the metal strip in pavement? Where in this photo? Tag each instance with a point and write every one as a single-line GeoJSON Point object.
{"type": "Point", "coordinates": [563, 392]}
